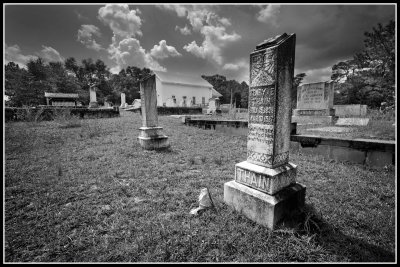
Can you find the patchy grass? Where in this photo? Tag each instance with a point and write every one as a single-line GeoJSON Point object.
{"type": "Point", "coordinates": [75, 196]}
{"type": "Point", "coordinates": [65, 119]}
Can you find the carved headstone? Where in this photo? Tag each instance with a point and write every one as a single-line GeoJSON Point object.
{"type": "Point", "coordinates": [264, 188]}
{"type": "Point", "coordinates": [150, 136]}
{"type": "Point", "coordinates": [314, 103]}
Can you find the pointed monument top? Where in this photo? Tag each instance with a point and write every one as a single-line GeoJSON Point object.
{"type": "Point", "coordinates": [273, 41]}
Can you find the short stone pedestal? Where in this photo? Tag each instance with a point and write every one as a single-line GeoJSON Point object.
{"type": "Point", "coordinates": [264, 209]}
{"type": "Point", "coordinates": [265, 188]}
{"type": "Point", "coordinates": [150, 137]}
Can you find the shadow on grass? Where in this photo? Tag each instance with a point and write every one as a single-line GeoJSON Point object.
{"type": "Point", "coordinates": [310, 222]}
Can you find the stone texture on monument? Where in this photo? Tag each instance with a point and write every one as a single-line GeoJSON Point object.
{"type": "Point", "coordinates": [150, 136]}
{"type": "Point", "coordinates": [271, 72]}
{"type": "Point", "coordinates": [261, 180]}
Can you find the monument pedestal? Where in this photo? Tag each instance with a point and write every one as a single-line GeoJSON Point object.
{"type": "Point", "coordinates": [315, 116]}
{"type": "Point", "coordinates": [151, 138]}
{"type": "Point", "coordinates": [93, 105]}
{"type": "Point", "coordinates": [265, 209]}
{"type": "Point", "coordinates": [264, 179]}
{"type": "Point", "coordinates": [264, 195]}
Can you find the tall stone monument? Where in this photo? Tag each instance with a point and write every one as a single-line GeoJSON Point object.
{"type": "Point", "coordinates": [150, 136]}
{"type": "Point", "coordinates": [93, 101]}
{"type": "Point", "coordinates": [314, 103]}
{"type": "Point", "coordinates": [123, 100]}
{"type": "Point", "coordinates": [265, 188]}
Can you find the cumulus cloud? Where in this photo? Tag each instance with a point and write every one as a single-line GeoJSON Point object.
{"type": "Point", "coordinates": [185, 30]}
{"type": "Point", "coordinates": [124, 49]}
{"type": "Point", "coordinates": [238, 69]}
{"type": "Point", "coordinates": [49, 54]}
{"type": "Point", "coordinates": [215, 38]}
{"type": "Point", "coordinates": [204, 20]}
{"type": "Point", "coordinates": [179, 9]}
{"type": "Point", "coordinates": [163, 50]}
{"type": "Point", "coordinates": [236, 66]}
{"type": "Point", "coordinates": [80, 16]}
{"type": "Point", "coordinates": [316, 75]}
{"type": "Point", "coordinates": [122, 21]}
{"type": "Point", "coordinates": [129, 52]}
{"type": "Point", "coordinates": [13, 53]}
{"type": "Point", "coordinates": [269, 14]}
{"type": "Point", "coordinates": [85, 36]}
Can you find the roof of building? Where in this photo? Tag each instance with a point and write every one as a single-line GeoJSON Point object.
{"type": "Point", "coordinates": [60, 95]}
{"type": "Point", "coordinates": [215, 93]}
{"type": "Point", "coordinates": [176, 78]}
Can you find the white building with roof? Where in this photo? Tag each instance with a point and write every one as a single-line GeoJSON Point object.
{"type": "Point", "coordinates": [176, 90]}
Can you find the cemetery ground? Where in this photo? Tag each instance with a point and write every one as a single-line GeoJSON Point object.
{"type": "Point", "coordinates": [85, 191]}
{"type": "Point", "coordinates": [380, 126]}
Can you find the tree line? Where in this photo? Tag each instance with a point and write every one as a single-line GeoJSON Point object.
{"type": "Point", "coordinates": [367, 78]}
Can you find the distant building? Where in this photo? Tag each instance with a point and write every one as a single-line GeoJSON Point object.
{"type": "Point", "coordinates": [175, 90]}
{"type": "Point", "coordinates": [61, 99]}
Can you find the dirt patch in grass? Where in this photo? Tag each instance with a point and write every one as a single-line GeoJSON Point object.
{"type": "Point", "coordinates": [91, 194]}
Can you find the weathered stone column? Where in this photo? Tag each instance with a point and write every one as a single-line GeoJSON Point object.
{"type": "Point", "coordinates": [265, 188]}
{"type": "Point", "coordinates": [93, 101]}
{"type": "Point", "coordinates": [123, 101]}
{"type": "Point", "coordinates": [150, 136]}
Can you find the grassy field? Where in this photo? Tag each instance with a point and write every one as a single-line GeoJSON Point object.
{"type": "Point", "coordinates": [87, 192]}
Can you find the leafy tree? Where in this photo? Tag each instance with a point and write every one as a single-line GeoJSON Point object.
{"type": "Point", "coordinates": [16, 85]}
{"type": "Point", "coordinates": [230, 89]}
{"type": "Point", "coordinates": [90, 73]}
{"type": "Point", "coordinates": [38, 82]}
{"type": "Point", "coordinates": [369, 77]}
{"type": "Point", "coordinates": [127, 81]}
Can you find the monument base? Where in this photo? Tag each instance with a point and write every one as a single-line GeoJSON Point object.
{"type": "Point", "coordinates": [314, 112]}
{"type": "Point", "coordinates": [264, 179]}
{"type": "Point", "coordinates": [262, 208]}
{"type": "Point", "coordinates": [93, 105]}
{"type": "Point", "coordinates": [150, 138]}
{"type": "Point", "coordinates": [313, 119]}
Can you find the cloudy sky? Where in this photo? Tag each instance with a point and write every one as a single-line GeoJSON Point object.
{"type": "Point", "coordinates": [188, 39]}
